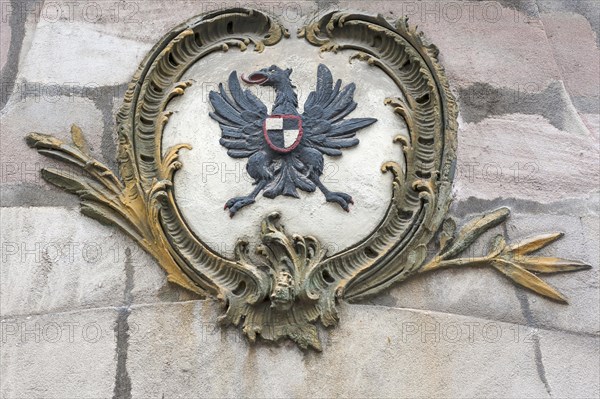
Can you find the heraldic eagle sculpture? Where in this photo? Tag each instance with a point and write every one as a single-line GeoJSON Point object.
{"type": "Point", "coordinates": [285, 149]}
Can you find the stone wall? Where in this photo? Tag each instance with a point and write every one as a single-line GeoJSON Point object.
{"type": "Point", "coordinates": [85, 313]}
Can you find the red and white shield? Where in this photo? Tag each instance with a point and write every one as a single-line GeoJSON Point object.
{"type": "Point", "coordinates": [283, 132]}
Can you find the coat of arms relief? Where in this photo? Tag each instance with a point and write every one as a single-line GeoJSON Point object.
{"type": "Point", "coordinates": [288, 283]}
{"type": "Point", "coordinates": [286, 149]}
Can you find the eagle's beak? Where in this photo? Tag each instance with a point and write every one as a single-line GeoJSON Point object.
{"type": "Point", "coordinates": [256, 78]}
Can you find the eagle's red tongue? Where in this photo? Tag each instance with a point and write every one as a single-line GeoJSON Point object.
{"type": "Point", "coordinates": [255, 78]}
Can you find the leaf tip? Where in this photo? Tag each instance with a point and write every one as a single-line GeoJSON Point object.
{"type": "Point", "coordinates": [503, 212]}
{"type": "Point", "coordinates": [585, 266]}
{"type": "Point", "coordinates": [78, 138]}
{"type": "Point", "coordinates": [33, 138]}
{"type": "Point", "coordinates": [562, 299]}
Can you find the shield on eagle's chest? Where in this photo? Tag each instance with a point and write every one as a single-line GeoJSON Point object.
{"type": "Point", "coordinates": [283, 132]}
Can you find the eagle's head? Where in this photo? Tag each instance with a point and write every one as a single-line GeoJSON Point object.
{"type": "Point", "coordinates": [271, 76]}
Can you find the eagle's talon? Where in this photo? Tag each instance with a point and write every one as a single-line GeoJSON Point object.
{"type": "Point", "coordinates": [343, 199]}
{"type": "Point", "coordinates": [237, 203]}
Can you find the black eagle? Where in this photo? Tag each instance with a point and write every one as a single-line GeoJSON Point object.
{"type": "Point", "coordinates": [320, 130]}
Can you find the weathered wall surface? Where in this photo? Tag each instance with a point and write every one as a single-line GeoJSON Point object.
{"type": "Point", "coordinates": [85, 313]}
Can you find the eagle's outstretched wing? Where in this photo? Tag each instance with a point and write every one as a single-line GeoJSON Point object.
{"type": "Point", "coordinates": [240, 117]}
{"type": "Point", "coordinates": [324, 111]}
